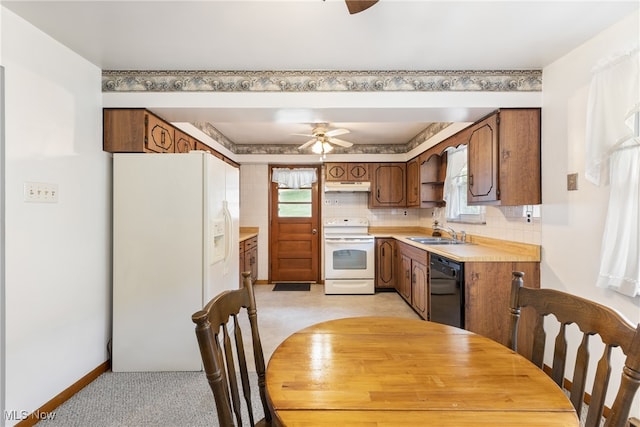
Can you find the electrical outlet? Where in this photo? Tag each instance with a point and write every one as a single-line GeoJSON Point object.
{"type": "Point", "coordinates": [40, 192]}
{"type": "Point", "coordinates": [572, 181]}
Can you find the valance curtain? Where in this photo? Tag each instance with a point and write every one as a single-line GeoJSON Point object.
{"type": "Point", "coordinates": [294, 178]}
{"type": "Point", "coordinates": [613, 157]}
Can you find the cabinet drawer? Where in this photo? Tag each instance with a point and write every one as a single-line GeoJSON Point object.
{"type": "Point", "coordinates": [250, 243]}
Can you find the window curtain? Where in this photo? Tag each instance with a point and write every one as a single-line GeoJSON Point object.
{"type": "Point", "coordinates": [455, 182]}
{"type": "Point", "coordinates": [613, 157]}
{"type": "Point", "coordinates": [294, 178]}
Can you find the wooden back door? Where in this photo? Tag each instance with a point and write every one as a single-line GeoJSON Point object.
{"type": "Point", "coordinates": [294, 232]}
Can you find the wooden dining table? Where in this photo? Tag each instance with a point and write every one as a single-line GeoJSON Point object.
{"type": "Point", "coordinates": [387, 371]}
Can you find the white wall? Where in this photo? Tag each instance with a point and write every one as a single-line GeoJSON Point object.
{"type": "Point", "coordinates": [58, 255]}
{"type": "Point", "coordinates": [254, 209]}
{"type": "Point", "coordinates": [573, 221]}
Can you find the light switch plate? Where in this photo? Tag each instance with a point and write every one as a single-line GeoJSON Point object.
{"type": "Point", "coordinates": [572, 181]}
{"type": "Point", "coordinates": [40, 192]}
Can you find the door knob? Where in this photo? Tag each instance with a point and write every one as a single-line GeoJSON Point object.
{"type": "Point", "coordinates": [314, 231]}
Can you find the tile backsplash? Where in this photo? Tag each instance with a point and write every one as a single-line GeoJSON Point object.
{"type": "Point", "coordinates": [506, 223]}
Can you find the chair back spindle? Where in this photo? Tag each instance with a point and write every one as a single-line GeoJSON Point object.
{"type": "Point", "coordinates": [224, 358]}
{"type": "Point", "coordinates": [592, 319]}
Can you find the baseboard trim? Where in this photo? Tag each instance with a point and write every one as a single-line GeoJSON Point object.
{"type": "Point", "coordinates": [568, 385]}
{"type": "Point", "coordinates": [48, 408]}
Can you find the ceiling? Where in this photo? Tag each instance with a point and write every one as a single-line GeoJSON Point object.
{"type": "Point", "coordinates": [321, 35]}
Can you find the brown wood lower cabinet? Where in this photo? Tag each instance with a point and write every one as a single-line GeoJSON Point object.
{"type": "Point", "coordinates": [413, 277]}
{"type": "Point", "coordinates": [487, 292]}
{"type": "Point", "coordinates": [249, 258]}
{"type": "Point", "coordinates": [386, 263]}
{"type": "Point", "coordinates": [487, 289]}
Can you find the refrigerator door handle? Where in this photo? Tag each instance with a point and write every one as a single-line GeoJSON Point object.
{"type": "Point", "coordinates": [228, 225]}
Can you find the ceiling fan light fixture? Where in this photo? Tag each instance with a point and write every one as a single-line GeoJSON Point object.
{"type": "Point", "coordinates": [326, 147]}
{"type": "Point", "coordinates": [317, 147]}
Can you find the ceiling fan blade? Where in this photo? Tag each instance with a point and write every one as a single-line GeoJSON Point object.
{"type": "Point", "coordinates": [340, 142]}
{"type": "Point", "coordinates": [336, 132]}
{"type": "Point", "coordinates": [307, 144]}
{"type": "Point", "coordinates": [356, 6]}
{"type": "Point", "coordinates": [302, 134]}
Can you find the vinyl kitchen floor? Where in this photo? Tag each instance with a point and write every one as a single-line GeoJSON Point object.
{"type": "Point", "coordinates": [280, 314]}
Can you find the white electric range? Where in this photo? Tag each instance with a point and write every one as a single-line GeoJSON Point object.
{"type": "Point", "coordinates": [349, 256]}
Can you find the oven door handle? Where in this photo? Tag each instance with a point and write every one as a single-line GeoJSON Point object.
{"type": "Point", "coordinates": [349, 240]}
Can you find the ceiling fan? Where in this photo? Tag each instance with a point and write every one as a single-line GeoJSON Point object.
{"type": "Point", "coordinates": [356, 6]}
{"type": "Point", "coordinates": [322, 138]}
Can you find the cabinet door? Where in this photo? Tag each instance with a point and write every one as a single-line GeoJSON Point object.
{"type": "Point", "coordinates": [241, 264]}
{"type": "Point", "coordinates": [357, 172]}
{"type": "Point", "coordinates": [251, 257]}
{"type": "Point", "coordinates": [184, 143]}
{"type": "Point", "coordinates": [124, 130]}
{"type": "Point", "coordinates": [482, 166]}
{"type": "Point", "coordinates": [419, 288]}
{"type": "Point", "coordinates": [251, 262]}
{"type": "Point", "coordinates": [336, 171]}
{"type": "Point", "coordinates": [413, 183]}
{"type": "Point", "coordinates": [403, 281]}
{"type": "Point", "coordinates": [385, 263]}
{"type": "Point", "coordinates": [159, 136]}
{"type": "Point", "coordinates": [487, 293]}
{"type": "Point", "coordinates": [389, 185]}
{"type": "Point", "coordinates": [519, 144]}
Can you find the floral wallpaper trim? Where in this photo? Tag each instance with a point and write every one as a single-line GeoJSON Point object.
{"type": "Point", "coordinates": [216, 135]}
{"type": "Point", "coordinates": [321, 81]}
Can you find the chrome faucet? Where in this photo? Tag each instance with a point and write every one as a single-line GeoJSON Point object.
{"type": "Point", "coordinates": [449, 230]}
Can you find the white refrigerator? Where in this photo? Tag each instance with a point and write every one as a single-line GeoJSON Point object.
{"type": "Point", "coordinates": [175, 246]}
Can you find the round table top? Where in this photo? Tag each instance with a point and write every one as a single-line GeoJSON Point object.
{"type": "Point", "coordinates": [394, 371]}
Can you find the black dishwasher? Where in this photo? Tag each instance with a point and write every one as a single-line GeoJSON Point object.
{"type": "Point", "coordinates": [446, 291]}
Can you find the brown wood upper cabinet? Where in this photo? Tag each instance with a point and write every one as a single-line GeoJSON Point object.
{"type": "Point", "coordinates": [184, 142]}
{"type": "Point", "coordinates": [352, 172]}
{"type": "Point", "coordinates": [413, 183]}
{"type": "Point", "coordinates": [136, 131]}
{"type": "Point", "coordinates": [388, 185]}
{"type": "Point", "coordinates": [433, 168]}
{"type": "Point", "coordinates": [504, 158]}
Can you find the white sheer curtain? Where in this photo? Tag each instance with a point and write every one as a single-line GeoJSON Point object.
{"type": "Point", "coordinates": [454, 181]}
{"type": "Point", "coordinates": [613, 157]}
{"type": "Point", "coordinates": [294, 178]}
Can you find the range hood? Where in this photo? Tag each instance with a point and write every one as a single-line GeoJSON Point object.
{"type": "Point", "coordinates": [346, 187]}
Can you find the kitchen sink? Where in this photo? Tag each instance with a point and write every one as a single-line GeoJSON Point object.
{"type": "Point", "coordinates": [436, 241]}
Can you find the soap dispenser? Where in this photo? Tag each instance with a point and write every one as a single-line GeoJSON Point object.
{"type": "Point", "coordinates": [436, 232]}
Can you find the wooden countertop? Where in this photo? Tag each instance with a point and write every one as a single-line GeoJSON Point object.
{"type": "Point", "coordinates": [480, 249]}
{"type": "Point", "coordinates": [248, 232]}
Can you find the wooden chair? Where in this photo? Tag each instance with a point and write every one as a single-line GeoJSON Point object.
{"type": "Point", "coordinates": [592, 319]}
{"type": "Point", "coordinates": [221, 359]}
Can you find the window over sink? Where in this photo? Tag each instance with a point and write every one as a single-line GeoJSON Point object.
{"type": "Point", "coordinates": [455, 189]}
